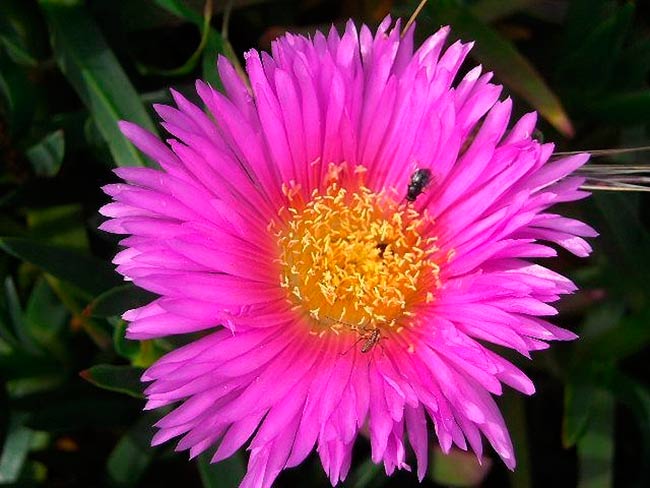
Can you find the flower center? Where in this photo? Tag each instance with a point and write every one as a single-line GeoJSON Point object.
{"type": "Point", "coordinates": [356, 260]}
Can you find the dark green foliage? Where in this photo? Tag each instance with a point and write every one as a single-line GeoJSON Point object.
{"type": "Point", "coordinates": [70, 397]}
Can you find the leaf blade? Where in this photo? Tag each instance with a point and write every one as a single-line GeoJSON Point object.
{"type": "Point", "coordinates": [91, 67]}
{"type": "Point", "coordinates": [121, 379]}
{"type": "Point", "coordinates": [224, 474]}
{"type": "Point", "coordinates": [501, 56]}
{"type": "Point", "coordinates": [88, 273]}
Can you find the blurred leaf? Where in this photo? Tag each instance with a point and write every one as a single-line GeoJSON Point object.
{"type": "Point", "coordinates": [500, 55]}
{"type": "Point", "coordinates": [458, 468]}
{"type": "Point", "coordinates": [47, 155]}
{"type": "Point", "coordinates": [45, 317]}
{"type": "Point", "coordinates": [48, 380]}
{"type": "Point", "coordinates": [71, 408]}
{"type": "Point", "coordinates": [118, 300]}
{"type": "Point", "coordinates": [594, 27]}
{"type": "Point", "coordinates": [33, 473]}
{"type": "Point", "coordinates": [578, 398]}
{"type": "Point", "coordinates": [40, 441]}
{"type": "Point", "coordinates": [17, 95]}
{"type": "Point", "coordinates": [215, 42]}
{"type": "Point", "coordinates": [19, 364]}
{"type": "Point", "coordinates": [635, 396]}
{"type": "Point", "coordinates": [596, 446]}
{"type": "Point", "coordinates": [625, 240]}
{"type": "Point", "coordinates": [133, 454]}
{"type": "Point", "coordinates": [89, 274]}
{"type": "Point", "coordinates": [13, 43]}
{"type": "Point", "coordinates": [16, 315]}
{"type": "Point", "coordinates": [122, 379]}
{"type": "Point", "coordinates": [142, 353]}
{"type": "Point", "coordinates": [59, 224]}
{"type": "Point", "coordinates": [124, 347]}
{"type": "Point", "coordinates": [225, 474]}
{"type": "Point", "coordinates": [368, 474]}
{"type": "Point", "coordinates": [630, 335]}
{"type": "Point", "coordinates": [214, 47]}
{"type": "Point", "coordinates": [193, 60]}
{"type": "Point", "coordinates": [74, 301]}
{"type": "Point", "coordinates": [514, 411]}
{"type": "Point", "coordinates": [491, 10]}
{"type": "Point", "coordinates": [180, 9]}
{"type": "Point", "coordinates": [94, 72]}
{"type": "Point", "coordinates": [632, 68]}
{"type": "Point", "coordinates": [14, 451]}
{"type": "Point", "coordinates": [150, 351]}
{"type": "Point", "coordinates": [622, 109]}
{"type": "Point", "coordinates": [10, 313]}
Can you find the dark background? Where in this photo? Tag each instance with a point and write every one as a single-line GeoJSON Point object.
{"type": "Point", "coordinates": [70, 401]}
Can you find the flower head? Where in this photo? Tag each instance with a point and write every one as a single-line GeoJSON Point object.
{"type": "Point", "coordinates": [347, 233]}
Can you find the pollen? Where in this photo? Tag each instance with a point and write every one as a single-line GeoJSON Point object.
{"type": "Point", "coordinates": [354, 260]}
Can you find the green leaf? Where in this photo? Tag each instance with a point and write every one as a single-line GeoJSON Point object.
{"type": "Point", "coordinates": [89, 274]}
{"type": "Point", "coordinates": [141, 354]}
{"type": "Point", "coordinates": [118, 300]}
{"type": "Point", "coordinates": [16, 315]}
{"type": "Point", "coordinates": [124, 347]}
{"type": "Point", "coordinates": [578, 398]}
{"type": "Point", "coordinates": [75, 406]}
{"type": "Point", "coordinates": [630, 335]}
{"type": "Point", "coordinates": [458, 468]}
{"type": "Point", "coordinates": [14, 450]}
{"type": "Point", "coordinates": [12, 42]}
{"type": "Point", "coordinates": [46, 317]}
{"type": "Point", "coordinates": [20, 365]}
{"type": "Point", "coordinates": [596, 446]}
{"type": "Point", "coordinates": [625, 240]}
{"type": "Point", "coordinates": [34, 473]}
{"type": "Point", "coordinates": [594, 27]}
{"type": "Point", "coordinates": [10, 314]}
{"type": "Point", "coordinates": [94, 72]}
{"type": "Point", "coordinates": [368, 474]}
{"type": "Point", "coordinates": [74, 301]}
{"type": "Point", "coordinates": [491, 10]}
{"type": "Point", "coordinates": [622, 108]}
{"type": "Point", "coordinates": [214, 47]}
{"type": "Point", "coordinates": [133, 454]}
{"type": "Point", "coordinates": [150, 352]}
{"type": "Point", "coordinates": [501, 56]}
{"type": "Point", "coordinates": [633, 65]}
{"type": "Point", "coordinates": [122, 379]}
{"type": "Point", "coordinates": [514, 411]}
{"type": "Point", "coordinates": [193, 60]}
{"type": "Point", "coordinates": [636, 396]}
{"type": "Point", "coordinates": [225, 474]}
{"type": "Point", "coordinates": [215, 43]}
{"type": "Point", "coordinates": [47, 155]}
{"type": "Point", "coordinates": [180, 9]}
{"type": "Point", "coordinates": [59, 224]}
{"type": "Point", "coordinates": [17, 95]}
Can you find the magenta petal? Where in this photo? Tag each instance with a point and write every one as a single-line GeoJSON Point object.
{"type": "Point", "coordinates": [416, 425]}
{"type": "Point", "coordinates": [205, 232]}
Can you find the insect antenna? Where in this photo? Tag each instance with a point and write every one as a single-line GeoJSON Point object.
{"type": "Point", "coordinates": [613, 177]}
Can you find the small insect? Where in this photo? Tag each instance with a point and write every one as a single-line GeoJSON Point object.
{"type": "Point", "coordinates": [372, 338]}
{"type": "Point", "coordinates": [419, 181]}
{"type": "Point", "coordinates": [382, 248]}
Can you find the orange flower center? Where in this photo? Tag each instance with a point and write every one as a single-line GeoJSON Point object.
{"type": "Point", "coordinates": [356, 260]}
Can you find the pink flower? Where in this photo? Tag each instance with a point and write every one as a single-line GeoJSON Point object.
{"type": "Point", "coordinates": [343, 233]}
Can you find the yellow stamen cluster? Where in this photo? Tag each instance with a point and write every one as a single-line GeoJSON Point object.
{"type": "Point", "coordinates": [355, 260]}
